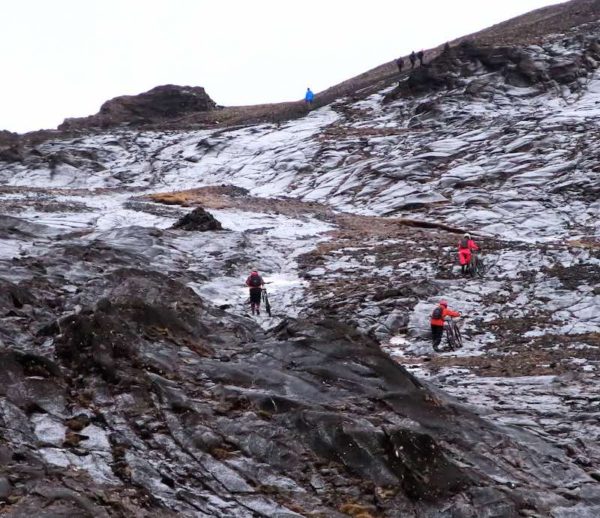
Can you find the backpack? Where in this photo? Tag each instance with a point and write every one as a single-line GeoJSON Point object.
{"type": "Point", "coordinates": [255, 281]}
{"type": "Point", "coordinates": [437, 314]}
{"type": "Point", "coordinates": [464, 243]}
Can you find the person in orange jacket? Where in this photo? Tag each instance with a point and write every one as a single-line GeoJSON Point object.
{"type": "Point", "coordinates": [465, 246]}
{"type": "Point", "coordinates": [437, 321]}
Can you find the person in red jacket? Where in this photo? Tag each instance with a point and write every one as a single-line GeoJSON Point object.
{"type": "Point", "coordinates": [437, 321]}
{"type": "Point", "coordinates": [465, 246]}
{"type": "Point", "coordinates": [255, 283]}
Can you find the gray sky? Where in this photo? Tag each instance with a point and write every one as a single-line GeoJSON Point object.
{"type": "Point", "coordinates": [64, 58]}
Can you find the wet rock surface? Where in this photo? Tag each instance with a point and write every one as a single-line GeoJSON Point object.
{"type": "Point", "coordinates": [134, 383]}
{"type": "Point", "coordinates": [136, 395]}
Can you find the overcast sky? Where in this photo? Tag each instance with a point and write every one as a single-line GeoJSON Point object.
{"type": "Point", "coordinates": [64, 58]}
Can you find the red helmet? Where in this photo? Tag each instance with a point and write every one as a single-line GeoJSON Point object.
{"type": "Point", "coordinates": [444, 303]}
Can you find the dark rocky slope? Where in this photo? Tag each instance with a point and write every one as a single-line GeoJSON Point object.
{"type": "Point", "coordinates": [125, 394]}
{"type": "Point", "coordinates": [131, 385]}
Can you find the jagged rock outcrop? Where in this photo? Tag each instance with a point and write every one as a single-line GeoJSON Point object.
{"type": "Point", "coordinates": [9, 147]}
{"type": "Point", "coordinates": [161, 104]}
{"type": "Point", "coordinates": [198, 220]}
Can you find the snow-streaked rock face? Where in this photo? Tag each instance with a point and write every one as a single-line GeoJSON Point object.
{"type": "Point", "coordinates": [521, 163]}
{"type": "Point", "coordinates": [191, 416]}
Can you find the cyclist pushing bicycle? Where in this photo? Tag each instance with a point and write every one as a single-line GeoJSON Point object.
{"type": "Point", "coordinates": [256, 284]}
{"type": "Point", "coordinates": [438, 321]}
{"type": "Point", "coordinates": [466, 255]}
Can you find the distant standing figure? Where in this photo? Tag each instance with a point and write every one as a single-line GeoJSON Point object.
{"type": "Point", "coordinates": [446, 47]}
{"type": "Point", "coordinates": [255, 282]}
{"type": "Point", "coordinates": [413, 58]}
{"type": "Point", "coordinates": [309, 97]}
{"type": "Point", "coordinates": [420, 55]}
{"type": "Point", "coordinates": [400, 63]}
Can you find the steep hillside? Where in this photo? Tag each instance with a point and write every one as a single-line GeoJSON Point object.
{"type": "Point", "coordinates": [135, 383]}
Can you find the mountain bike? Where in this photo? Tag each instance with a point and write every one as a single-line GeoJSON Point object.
{"type": "Point", "coordinates": [453, 335]}
{"type": "Point", "coordinates": [476, 266]}
{"type": "Point", "coordinates": [265, 299]}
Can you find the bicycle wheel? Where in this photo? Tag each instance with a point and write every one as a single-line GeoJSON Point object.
{"type": "Point", "coordinates": [457, 335]}
{"type": "Point", "coordinates": [481, 269]}
{"type": "Point", "coordinates": [450, 338]}
{"type": "Point", "coordinates": [266, 301]}
{"type": "Point", "coordinates": [472, 266]}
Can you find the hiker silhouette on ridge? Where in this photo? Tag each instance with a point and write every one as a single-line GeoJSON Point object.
{"type": "Point", "coordinates": [400, 64]}
{"type": "Point", "coordinates": [413, 59]}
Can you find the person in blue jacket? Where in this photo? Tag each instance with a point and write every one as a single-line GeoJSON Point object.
{"type": "Point", "coordinates": [309, 97]}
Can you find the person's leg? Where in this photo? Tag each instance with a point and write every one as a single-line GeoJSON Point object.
{"type": "Point", "coordinates": [436, 335]}
{"type": "Point", "coordinates": [461, 260]}
{"type": "Point", "coordinates": [255, 294]}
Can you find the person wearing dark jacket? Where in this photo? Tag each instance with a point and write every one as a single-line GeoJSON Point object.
{"type": "Point", "coordinates": [420, 55]}
{"type": "Point", "coordinates": [437, 322]}
{"type": "Point", "coordinates": [400, 64]}
{"type": "Point", "coordinates": [255, 283]}
{"type": "Point", "coordinates": [413, 59]}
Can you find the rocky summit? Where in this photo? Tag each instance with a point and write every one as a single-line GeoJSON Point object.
{"type": "Point", "coordinates": [136, 383]}
{"type": "Point", "coordinates": [155, 106]}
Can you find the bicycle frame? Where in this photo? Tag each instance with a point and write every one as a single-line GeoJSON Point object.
{"type": "Point", "coordinates": [265, 299]}
{"type": "Point", "coordinates": [475, 266]}
{"type": "Point", "coordinates": [452, 332]}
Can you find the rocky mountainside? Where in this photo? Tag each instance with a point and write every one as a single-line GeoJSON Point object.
{"type": "Point", "coordinates": [135, 383]}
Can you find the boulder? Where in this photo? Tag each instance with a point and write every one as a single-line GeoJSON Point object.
{"type": "Point", "coordinates": [9, 147]}
{"type": "Point", "coordinates": [198, 220]}
{"type": "Point", "coordinates": [160, 104]}
{"type": "Point", "coordinates": [5, 488]}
